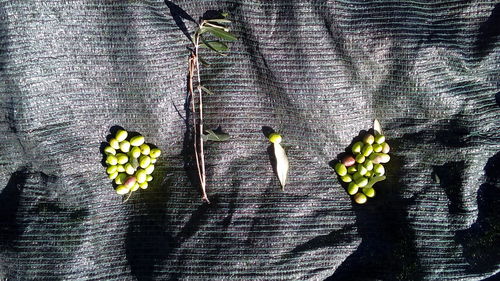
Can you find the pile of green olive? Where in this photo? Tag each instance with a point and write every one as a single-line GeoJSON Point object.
{"type": "Point", "coordinates": [130, 162]}
{"type": "Point", "coordinates": [363, 168]}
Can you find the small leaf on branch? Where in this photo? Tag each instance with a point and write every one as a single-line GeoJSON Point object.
{"type": "Point", "coordinates": [219, 33]}
{"type": "Point", "coordinates": [376, 127]}
{"type": "Point", "coordinates": [219, 20]}
{"type": "Point", "coordinates": [206, 90]}
{"type": "Point", "coordinates": [216, 46]}
{"type": "Point", "coordinates": [215, 135]}
{"type": "Point", "coordinates": [282, 164]}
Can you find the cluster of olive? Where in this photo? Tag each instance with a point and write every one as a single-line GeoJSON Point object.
{"type": "Point", "coordinates": [130, 162]}
{"type": "Point", "coordinates": [363, 168]}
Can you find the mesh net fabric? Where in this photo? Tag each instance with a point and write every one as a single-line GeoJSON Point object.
{"type": "Point", "coordinates": [318, 72]}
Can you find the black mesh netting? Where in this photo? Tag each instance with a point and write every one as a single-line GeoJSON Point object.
{"type": "Point", "coordinates": [318, 72]}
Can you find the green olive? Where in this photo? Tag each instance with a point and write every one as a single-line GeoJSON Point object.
{"type": "Point", "coordinates": [360, 158]}
{"type": "Point", "coordinates": [155, 153]}
{"type": "Point", "coordinates": [356, 148]}
{"type": "Point", "coordinates": [361, 182]}
{"type": "Point", "coordinates": [361, 169]}
{"type": "Point", "coordinates": [125, 146]}
{"type": "Point", "coordinates": [360, 198]}
{"type": "Point", "coordinates": [135, 152]}
{"type": "Point", "coordinates": [122, 158]}
{"type": "Point", "coordinates": [137, 140]}
{"type": "Point", "coordinates": [368, 139]}
{"type": "Point", "coordinates": [367, 150]}
{"type": "Point", "coordinates": [114, 143]}
{"type": "Point", "coordinates": [111, 160]}
{"type": "Point", "coordinates": [352, 188]}
{"type": "Point", "coordinates": [368, 174]}
{"type": "Point", "coordinates": [109, 150]}
{"type": "Point", "coordinates": [340, 169]}
{"type": "Point", "coordinates": [351, 170]}
{"type": "Point", "coordinates": [122, 189]}
{"type": "Point", "coordinates": [120, 179]}
{"type": "Point", "coordinates": [368, 164]}
{"type": "Point", "coordinates": [379, 139]}
{"type": "Point", "coordinates": [129, 169]}
{"type": "Point", "coordinates": [143, 185]}
{"type": "Point", "coordinates": [121, 135]}
{"type": "Point", "coordinates": [378, 169]}
{"type": "Point", "coordinates": [357, 175]}
{"type": "Point", "coordinates": [369, 191]}
{"type": "Point", "coordinates": [120, 168]}
{"type": "Point", "coordinates": [111, 169]}
{"type": "Point", "coordinates": [149, 169]}
{"type": "Point", "coordinates": [346, 178]}
{"type": "Point", "coordinates": [377, 147]}
{"type": "Point", "coordinates": [145, 149]}
{"type": "Point", "coordinates": [149, 178]}
{"type": "Point", "coordinates": [144, 161]}
{"type": "Point", "coordinates": [153, 160]}
{"type": "Point", "coordinates": [135, 187]}
{"type": "Point", "coordinates": [141, 175]}
{"type": "Point", "coordinates": [385, 148]}
{"type": "Point", "coordinates": [113, 176]}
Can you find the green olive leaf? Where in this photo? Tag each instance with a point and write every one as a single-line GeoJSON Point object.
{"type": "Point", "coordinates": [218, 21]}
{"type": "Point", "coordinates": [206, 90]}
{"type": "Point", "coordinates": [282, 164]}
{"type": "Point", "coordinates": [374, 180]}
{"type": "Point", "coordinates": [215, 135]}
{"type": "Point", "coordinates": [216, 46]}
{"type": "Point", "coordinates": [376, 127]}
{"type": "Point", "coordinates": [219, 33]}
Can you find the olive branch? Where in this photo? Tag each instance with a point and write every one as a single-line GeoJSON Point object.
{"type": "Point", "coordinates": [208, 34]}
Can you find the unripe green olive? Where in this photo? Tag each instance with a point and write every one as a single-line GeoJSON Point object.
{"type": "Point", "coordinates": [356, 148]}
{"type": "Point", "coordinates": [362, 181]}
{"type": "Point", "coordinates": [109, 150]}
{"type": "Point", "coordinates": [143, 185]}
{"type": "Point", "coordinates": [149, 178]}
{"type": "Point", "coordinates": [379, 169]}
{"type": "Point", "coordinates": [113, 176]}
{"type": "Point", "coordinates": [122, 158]}
{"type": "Point", "coordinates": [340, 169]}
{"type": "Point", "coordinates": [357, 175]}
{"type": "Point", "coordinates": [111, 169]}
{"type": "Point", "coordinates": [369, 191]}
{"type": "Point", "coordinates": [153, 160]}
{"type": "Point", "coordinates": [352, 188]}
{"type": "Point", "coordinates": [368, 164]}
{"type": "Point", "coordinates": [114, 143]}
{"type": "Point", "coordinates": [385, 148]}
{"type": "Point", "coordinates": [135, 187]}
{"type": "Point", "coordinates": [367, 150]}
{"type": "Point", "coordinates": [135, 152]}
{"type": "Point", "coordinates": [144, 161]}
{"type": "Point", "coordinates": [368, 174]}
{"type": "Point", "coordinates": [122, 189]}
{"type": "Point", "coordinates": [155, 153]}
{"type": "Point", "coordinates": [121, 135]}
{"type": "Point", "coordinates": [145, 149]}
{"type": "Point", "coordinates": [120, 179]}
{"type": "Point", "coordinates": [141, 175]}
{"type": "Point", "coordinates": [111, 160]}
{"type": "Point", "coordinates": [360, 158]}
{"type": "Point", "coordinates": [137, 140]}
{"type": "Point", "coordinates": [368, 139]}
{"type": "Point", "coordinates": [379, 139]}
{"type": "Point", "coordinates": [351, 170]}
{"type": "Point", "coordinates": [378, 158]}
{"type": "Point", "coordinates": [125, 146]}
{"type": "Point", "coordinates": [120, 168]}
{"type": "Point", "coordinates": [377, 147]}
{"type": "Point", "coordinates": [360, 198]}
{"type": "Point", "coordinates": [129, 169]}
{"type": "Point", "coordinates": [149, 169]}
{"type": "Point", "coordinates": [361, 169]}
{"type": "Point", "coordinates": [346, 178]}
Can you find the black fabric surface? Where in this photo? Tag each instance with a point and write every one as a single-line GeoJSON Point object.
{"type": "Point", "coordinates": [318, 72]}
